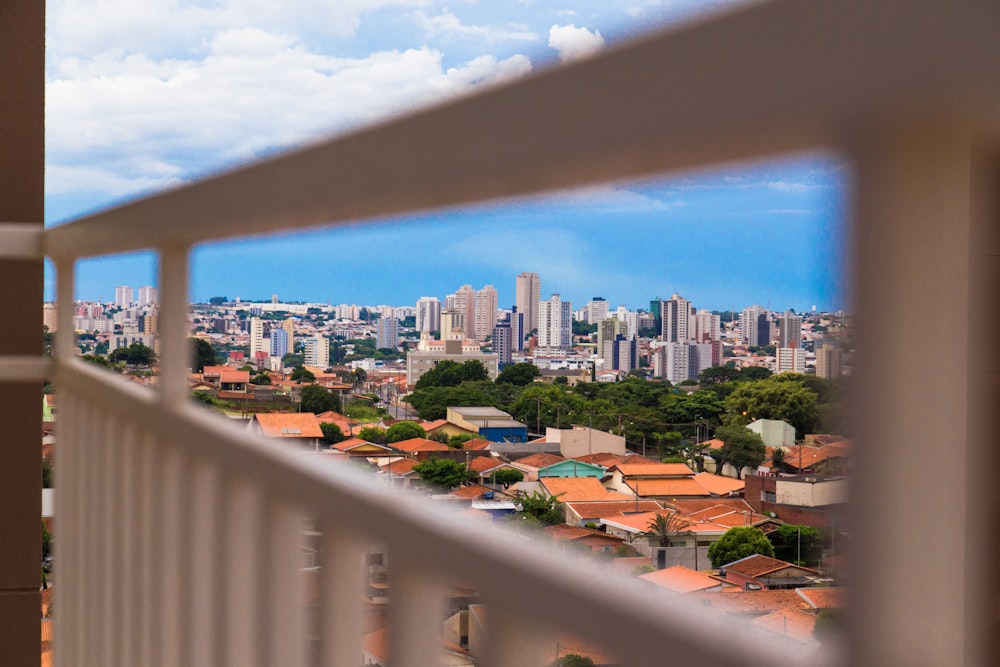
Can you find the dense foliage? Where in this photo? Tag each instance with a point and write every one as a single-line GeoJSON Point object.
{"type": "Point", "coordinates": [404, 431]}
{"type": "Point", "coordinates": [445, 473]}
{"type": "Point", "coordinates": [741, 447]}
{"type": "Point", "coordinates": [737, 543]}
{"type": "Point", "coordinates": [315, 398]}
{"type": "Point", "coordinates": [331, 433]}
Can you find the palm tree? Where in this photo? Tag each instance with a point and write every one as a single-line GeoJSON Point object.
{"type": "Point", "coordinates": [662, 526]}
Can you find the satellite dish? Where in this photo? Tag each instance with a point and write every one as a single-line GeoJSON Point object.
{"type": "Point", "coordinates": [773, 515]}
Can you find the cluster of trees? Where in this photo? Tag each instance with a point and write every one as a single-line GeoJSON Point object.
{"type": "Point", "coordinates": [135, 354]}
{"type": "Point", "coordinates": [649, 414]}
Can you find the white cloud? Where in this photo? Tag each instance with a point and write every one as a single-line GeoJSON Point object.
{"type": "Point", "coordinates": [572, 42]}
{"type": "Point", "coordinates": [612, 198]}
{"type": "Point", "coordinates": [252, 91]}
{"type": "Point", "coordinates": [447, 24]}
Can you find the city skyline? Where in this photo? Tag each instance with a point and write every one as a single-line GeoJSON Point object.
{"type": "Point", "coordinates": [190, 104]}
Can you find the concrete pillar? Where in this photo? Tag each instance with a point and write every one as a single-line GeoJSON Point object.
{"type": "Point", "coordinates": [22, 117]}
{"type": "Point", "coordinates": [922, 510]}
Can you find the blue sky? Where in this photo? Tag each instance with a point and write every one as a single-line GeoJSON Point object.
{"type": "Point", "coordinates": [145, 96]}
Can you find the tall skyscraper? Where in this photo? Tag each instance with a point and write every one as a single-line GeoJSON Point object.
{"type": "Point", "coordinates": [317, 351]}
{"type": "Point", "coordinates": [597, 310]}
{"type": "Point", "coordinates": [555, 324]}
{"type": "Point", "coordinates": [828, 361]}
{"type": "Point", "coordinates": [149, 296]}
{"type": "Point", "coordinates": [790, 359]}
{"type": "Point", "coordinates": [279, 342]}
{"type": "Point", "coordinates": [676, 315]}
{"type": "Point", "coordinates": [609, 329]}
{"type": "Point", "coordinates": [528, 294]}
{"type": "Point", "coordinates": [485, 312]}
{"type": "Point", "coordinates": [387, 332]}
{"type": "Point", "coordinates": [502, 340]}
{"type": "Point", "coordinates": [123, 296]}
{"type": "Point", "coordinates": [676, 362]}
{"type": "Point", "coordinates": [789, 330]}
{"type": "Point", "coordinates": [289, 326]}
{"type": "Point", "coordinates": [707, 326]}
{"type": "Point", "coordinates": [428, 317]}
{"type": "Point", "coordinates": [755, 326]}
{"type": "Point", "coordinates": [256, 338]}
{"type": "Point", "coordinates": [516, 330]}
{"type": "Point", "coordinates": [624, 353]}
{"type": "Point", "coordinates": [465, 303]}
{"type": "Point", "coordinates": [452, 324]}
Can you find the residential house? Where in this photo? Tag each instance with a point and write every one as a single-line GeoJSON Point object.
{"type": "Point", "coordinates": [583, 441]}
{"type": "Point", "coordinates": [680, 579]}
{"type": "Point", "coordinates": [774, 432]}
{"type": "Point", "coordinates": [571, 468]}
{"type": "Point", "coordinates": [588, 539]}
{"type": "Point", "coordinates": [421, 449]}
{"type": "Point", "coordinates": [361, 449]}
{"type": "Point", "coordinates": [570, 489]}
{"type": "Point", "coordinates": [758, 572]}
{"type": "Point", "coordinates": [491, 423]}
{"type": "Point", "coordinates": [530, 465]}
{"type": "Point", "coordinates": [666, 481]}
{"type": "Point", "coordinates": [297, 428]}
{"type": "Point", "coordinates": [581, 513]}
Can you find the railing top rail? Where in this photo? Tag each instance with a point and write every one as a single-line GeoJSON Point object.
{"type": "Point", "coordinates": [763, 79]}
{"type": "Point", "coordinates": [507, 570]}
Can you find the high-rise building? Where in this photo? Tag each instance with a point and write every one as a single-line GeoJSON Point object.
{"type": "Point", "coordinates": [555, 324]}
{"type": "Point", "coordinates": [452, 324]}
{"type": "Point", "coordinates": [256, 338]}
{"type": "Point", "coordinates": [527, 296]}
{"type": "Point", "coordinates": [428, 315]}
{"type": "Point", "coordinates": [49, 316]}
{"type": "Point", "coordinates": [624, 353]}
{"type": "Point", "coordinates": [123, 296]}
{"type": "Point", "coordinates": [609, 329]}
{"type": "Point", "coordinates": [149, 323]}
{"type": "Point", "coordinates": [675, 313]}
{"type": "Point", "coordinates": [502, 340]}
{"type": "Point", "coordinates": [289, 326]}
{"type": "Point", "coordinates": [790, 359]}
{"type": "Point", "coordinates": [828, 361]}
{"type": "Point", "coordinates": [149, 296]}
{"type": "Point", "coordinates": [755, 326]}
{"type": "Point", "coordinates": [279, 343]}
{"type": "Point", "coordinates": [707, 326]}
{"type": "Point", "coordinates": [676, 362]}
{"type": "Point", "coordinates": [485, 312]}
{"type": "Point", "coordinates": [465, 303]}
{"type": "Point", "coordinates": [516, 330]}
{"type": "Point", "coordinates": [789, 330]}
{"type": "Point", "coordinates": [597, 310]}
{"type": "Point", "coordinates": [317, 351]}
{"type": "Point", "coordinates": [387, 332]}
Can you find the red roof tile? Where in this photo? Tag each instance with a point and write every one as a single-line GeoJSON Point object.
{"type": "Point", "coordinates": [289, 424]}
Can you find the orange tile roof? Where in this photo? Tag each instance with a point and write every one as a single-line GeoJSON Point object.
{"type": "Point", "coordinates": [352, 443]}
{"type": "Point", "coordinates": [690, 505]}
{"type": "Point", "coordinates": [476, 444]}
{"type": "Point", "coordinates": [792, 623]}
{"type": "Point", "coordinates": [471, 492]}
{"type": "Point", "coordinates": [481, 464]}
{"type": "Point", "coordinates": [600, 510]}
{"type": "Point", "coordinates": [759, 565]}
{"type": "Point", "coordinates": [640, 523]}
{"type": "Point", "coordinates": [420, 445]}
{"type": "Point", "coordinates": [714, 443]}
{"type": "Point", "coordinates": [718, 485]}
{"type": "Point", "coordinates": [564, 533]}
{"type": "Point", "coordinates": [750, 601]}
{"type": "Point", "coordinates": [680, 579]}
{"type": "Point", "coordinates": [655, 469]}
{"type": "Point", "coordinates": [539, 460]}
{"type": "Point", "coordinates": [824, 598]}
{"type": "Point", "coordinates": [569, 489]}
{"type": "Point", "coordinates": [801, 456]}
{"type": "Point", "coordinates": [431, 425]}
{"type": "Point", "coordinates": [289, 424]}
{"type": "Point", "coordinates": [666, 487]}
{"type": "Point", "coordinates": [607, 460]}
{"type": "Point", "coordinates": [399, 467]}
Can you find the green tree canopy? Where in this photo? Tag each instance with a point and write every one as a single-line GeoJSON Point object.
{"type": "Point", "coordinates": [218, 300]}
{"type": "Point", "coordinates": [302, 374]}
{"type": "Point", "coordinates": [506, 476]}
{"type": "Point", "coordinates": [458, 440]}
{"type": "Point", "coordinates": [783, 397]}
{"type": "Point", "coordinates": [664, 526]}
{"type": "Point", "coordinates": [293, 359]}
{"type": "Point", "coordinates": [372, 434]}
{"type": "Point", "coordinates": [404, 431]}
{"type": "Point", "coordinates": [518, 374]}
{"type": "Point", "coordinates": [793, 543]}
{"type": "Point", "coordinates": [741, 447]}
{"type": "Point", "coordinates": [331, 433]}
{"type": "Point", "coordinates": [261, 379]}
{"type": "Point", "coordinates": [136, 354]}
{"type": "Point", "coordinates": [445, 473]}
{"type": "Point", "coordinates": [97, 360]}
{"type": "Point", "coordinates": [739, 542]}
{"type": "Point", "coordinates": [449, 373]}
{"type": "Point", "coordinates": [546, 510]}
{"type": "Point", "coordinates": [204, 354]}
{"type": "Point", "coordinates": [316, 399]}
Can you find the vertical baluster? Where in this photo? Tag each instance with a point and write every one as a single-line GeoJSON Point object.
{"type": "Point", "coordinates": [151, 560]}
{"type": "Point", "coordinates": [172, 593]}
{"type": "Point", "coordinates": [512, 641]}
{"type": "Point", "coordinates": [92, 530]}
{"type": "Point", "coordinates": [244, 573]}
{"type": "Point", "coordinates": [111, 562]}
{"type": "Point", "coordinates": [415, 613]}
{"type": "Point", "coordinates": [130, 600]}
{"type": "Point", "coordinates": [342, 585]}
{"type": "Point", "coordinates": [284, 631]}
{"type": "Point", "coordinates": [205, 622]}
{"type": "Point", "coordinates": [175, 353]}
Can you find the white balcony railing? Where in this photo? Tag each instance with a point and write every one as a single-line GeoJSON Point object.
{"type": "Point", "coordinates": [179, 536]}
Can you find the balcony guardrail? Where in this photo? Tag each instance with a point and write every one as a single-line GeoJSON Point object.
{"type": "Point", "coordinates": [148, 483]}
